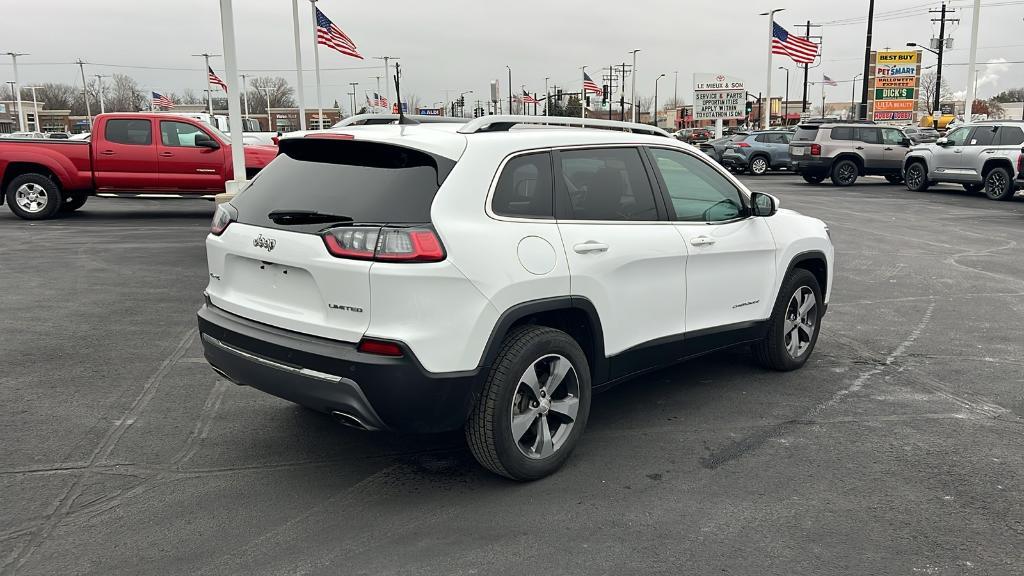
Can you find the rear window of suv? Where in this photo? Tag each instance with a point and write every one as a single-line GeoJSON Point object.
{"type": "Point", "coordinates": [366, 181]}
{"type": "Point", "coordinates": [805, 133]}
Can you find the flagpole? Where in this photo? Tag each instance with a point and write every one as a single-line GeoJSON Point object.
{"type": "Point", "coordinates": [209, 90]}
{"type": "Point", "coordinates": [316, 64]}
{"type": "Point", "coordinates": [766, 120]}
{"type": "Point", "coordinates": [298, 68]}
{"type": "Point", "coordinates": [583, 92]}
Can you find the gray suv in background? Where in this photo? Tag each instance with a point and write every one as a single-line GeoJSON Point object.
{"type": "Point", "coordinates": [980, 156]}
{"type": "Point", "coordinates": [843, 151]}
{"type": "Point", "coordinates": [758, 152]}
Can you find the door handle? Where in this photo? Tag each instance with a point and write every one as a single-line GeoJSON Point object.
{"type": "Point", "coordinates": [167, 154]}
{"type": "Point", "coordinates": [859, 148]}
{"type": "Point", "coordinates": [888, 148]}
{"type": "Point", "coordinates": [107, 153]}
{"type": "Point", "coordinates": [988, 152]}
{"type": "Point", "coordinates": [958, 151]}
{"type": "Point", "coordinates": [702, 241]}
{"type": "Point", "coordinates": [590, 246]}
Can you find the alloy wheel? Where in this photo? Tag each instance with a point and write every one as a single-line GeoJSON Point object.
{"type": "Point", "coordinates": [995, 184]}
{"type": "Point", "coordinates": [758, 166]}
{"type": "Point", "coordinates": [801, 321]}
{"type": "Point", "coordinates": [847, 173]}
{"type": "Point", "coordinates": [544, 406]}
{"type": "Point", "coordinates": [914, 176]}
{"type": "Point", "coordinates": [31, 197]}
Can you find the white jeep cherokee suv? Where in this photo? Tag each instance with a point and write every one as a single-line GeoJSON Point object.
{"type": "Point", "coordinates": [492, 275]}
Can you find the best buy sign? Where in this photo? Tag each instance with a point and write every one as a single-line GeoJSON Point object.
{"type": "Point", "coordinates": [894, 93]}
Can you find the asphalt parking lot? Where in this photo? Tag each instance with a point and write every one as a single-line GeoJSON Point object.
{"type": "Point", "coordinates": [896, 450]}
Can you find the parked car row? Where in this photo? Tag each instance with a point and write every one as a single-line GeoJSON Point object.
{"type": "Point", "coordinates": [983, 156]}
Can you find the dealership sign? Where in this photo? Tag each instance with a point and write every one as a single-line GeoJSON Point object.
{"type": "Point", "coordinates": [717, 96]}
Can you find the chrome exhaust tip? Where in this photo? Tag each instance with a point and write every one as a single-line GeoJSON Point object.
{"type": "Point", "coordinates": [349, 420]}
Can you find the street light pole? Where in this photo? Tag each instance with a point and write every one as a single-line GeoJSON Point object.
{"type": "Point", "coordinates": [509, 88]}
{"type": "Point", "coordinates": [462, 102]}
{"type": "Point", "coordinates": [387, 83]}
{"type": "Point", "coordinates": [99, 89]}
{"type": "Point", "coordinates": [767, 118]}
{"type": "Point", "coordinates": [785, 117]}
{"type": "Point", "coordinates": [547, 97]}
{"type": "Point", "coordinates": [206, 58]}
{"type": "Point", "coordinates": [632, 89]}
{"type": "Point", "coordinates": [245, 95]}
{"type": "Point", "coordinates": [17, 89]}
{"type": "Point", "coordinates": [853, 90]}
{"type": "Point", "coordinates": [583, 93]}
{"type": "Point", "coordinates": [654, 112]}
{"type": "Point", "coordinates": [85, 93]}
{"type": "Point", "coordinates": [227, 25]}
{"type": "Point", "coordinates": [35, 109]}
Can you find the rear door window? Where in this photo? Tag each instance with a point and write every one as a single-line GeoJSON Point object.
{"type": "Point", "coordinates": [132, 132]}
{"type": "Point", "coordinates": [869, 135]}
{"type": "Point", "coordinates": [1011, 136]}
{"type": "Point", "coordinates": [524, 189]}
{"type": "Point", "coordinates": [842, 133]}
{"type": "Point", "coordinates": [363, 182]}
{"type": "Point", "coordinates": [606, 184]}
{"type": "Point", "coordinates": [983, 136]}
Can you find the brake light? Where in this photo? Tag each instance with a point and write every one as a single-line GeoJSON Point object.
{"type": "Point", "coordinates": [815, 149]}
{"type": "Point", "coordinates": [1020, 164]}
{"type": "Point", "coordinates": [222, 217]}
{"type": "Point", "coordinates": [384, 244]}
{"type": "Point", "coordinates": [741, 145]}
{"type": "Point", "coordinates": [379, 347]}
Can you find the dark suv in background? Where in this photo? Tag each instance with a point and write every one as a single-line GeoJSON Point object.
{"type": "Point", "coordinates": [843, 151]}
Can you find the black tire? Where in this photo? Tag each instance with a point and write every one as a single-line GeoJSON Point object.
{"type": "Point", "coordinates": [999, 184]}
{"type": "Point", "coordinates": [915, 177]}
{"type": "Point", "coordinates": [813, 178]}
{"type": "Point", "coordinates": [759, 166]}
{"type": "Point", "coordinates": [773, 352]}
{"type": "Point", "coordinates": [894, 179]}
{"type": "Point", "coordinates": [845, 172]}
{"type": "Point", "coordinates": [34, 197]}
{"type": "Point", "coordinates": [489, 429]}
{"type": "Point", "coordinates": [74, 202]}
{"type": "Point", "coordinates": [974, 188]}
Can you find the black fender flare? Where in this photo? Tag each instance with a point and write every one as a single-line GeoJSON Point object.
{"type": "Point", "coordinates": [816, 255]}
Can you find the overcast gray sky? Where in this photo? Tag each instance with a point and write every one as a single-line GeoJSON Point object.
{"type": "Point", "coordinates": [461, 44]}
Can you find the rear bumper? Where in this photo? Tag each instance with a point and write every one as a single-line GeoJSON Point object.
{"type": "Point", "coordinates": [733, 159]}
{"type": "Point", "coordinates": [812, 165]}
{"type": "Point", "coordinates": [382, 393]}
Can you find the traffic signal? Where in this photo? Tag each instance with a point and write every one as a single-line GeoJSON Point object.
{"type": "Point", "coordinates": [750, 107]}
{"type": "Point", "coordinates": [588, 100]}
{"type": "Point", "coordinates": [558, 94]}
{"type": "Point", "coordinates": [462, 101]}
{"type": "Point", "coordinates": [604, 93]}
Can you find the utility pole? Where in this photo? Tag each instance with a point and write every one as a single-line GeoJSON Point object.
{"type": "Point", "coordinates": [547, 97]}
{"type": "Point", "coordinates": [387, 84]}
{"type": "Point", "coordinates": [972, 88]}
{"type": "Point", "coordinates": [509, 88]}
{"type": "Point", "coordinates": [609, 81]}
{"type": "Point", "coordinates": [245, 95]}
{"type": "Point", "coordinates": [807, 36]}
{"type": "Point", "coordinates": [863, 114]}
{"type": "Point", "coordinates": [17, 88]}
{"type": "Point", "coordinates": [35, 109]}
{"type": "Point", "coordinates": [206, 72]}
{"type": "Point", "coordinates": [785, 114]}
{"type": "Point", "coordinates": [583, 93]}
{"type": "Point", "coordinates": [942, 48]}
{"type": "Point", "coordinates": [622, 95]}
{"type": "Point", "coordinates": [353, 85]}
{"type": "Point", "coordinates": [376, 106]}
{"type": "Point", "coordinates": [85, 92]}
{"type": "Point", "coordinates": [99, 89]}
{"type": "Point", "coordinates": [632, 89]}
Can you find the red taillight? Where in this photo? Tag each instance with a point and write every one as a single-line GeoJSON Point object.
{"type": "Point", "coordinates": [815, 149]}
{"type": "Point", "coordinates": [1020, 164]}
{"type": "Point", "coordinates": [276, 140]}
{"type": "Point", "coordinates": [225, 215]}
{"type": "Point", "coordinates": [379, 347]}
{"type": "Point", "coordinates": [384, 244]}
{"type": "Point", "coordinates": [741, 145]}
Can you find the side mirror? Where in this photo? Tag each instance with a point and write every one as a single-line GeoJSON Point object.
{"type": "Point", "coordinates": [942, 141]}
{"type": "Point", "coordinates": [763, 205]}
{"type": "Point", "coordinates": [203, 140]}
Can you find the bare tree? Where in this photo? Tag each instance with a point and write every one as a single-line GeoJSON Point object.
{"type": "Point", "coordinates": [124, 94]}
{"type": "Point", "coordinates": [281, 95]}
{"type": "Point", "coordinates": [188, 96]}
{"type": "Point", "coordinates": [673, 102]}
{"type": "Point", "coordinates": [57, 96]}
{"type": "Point", "coordinates": [926, 95]}
{"type": "Point", "coordinates": [413, 100]}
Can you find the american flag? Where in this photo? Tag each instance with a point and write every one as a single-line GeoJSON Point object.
{"type": "Point", "coordinates": [215, 80]}
{"type": "Point", "coordinates": [828, 80]}
{"type": "Point", "coordinates": [527, 99]}
{"type": "Point", "coordinates": [590, 86]}
{"type": "Point", "coordinates": [328, 34]}
{"type": "Point", "coordinates": [801, 50]}
{"type": "Point", "coordinates": [379, 100]}
{"type": "Point", "coordinates": [162, 101]}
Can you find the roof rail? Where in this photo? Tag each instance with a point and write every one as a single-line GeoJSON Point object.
{"type": "Point", "coordinates": [364, 119]}
{"type": "Point", "coordinates": [502, 123]}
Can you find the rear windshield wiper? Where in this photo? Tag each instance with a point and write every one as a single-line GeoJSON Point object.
{"type": "Point", "coordinates": [286, 217]}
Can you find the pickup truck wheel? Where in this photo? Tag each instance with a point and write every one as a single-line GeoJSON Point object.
{"type": "Point", "coordinates": [813, 179]}
{"type": "Point", "coordinates": [33, 197]}
{"type": "Point", "coordinates": [758, 165]}
{"type": "Point", "coordinates": [74, 202]}
{"type": "Point", "coordinates": [793, 326]}
{"type": "Point", "coordinates": [998, 185]}
{"type": "Point", "coordinates": [916, 177]}
{"type": "Point", "coordinates": [844, 173]}
{"type": "Point", "coordinates": [533, 406]}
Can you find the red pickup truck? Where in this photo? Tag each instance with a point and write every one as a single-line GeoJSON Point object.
{"type": "Point", "coordinates": [128, 154]}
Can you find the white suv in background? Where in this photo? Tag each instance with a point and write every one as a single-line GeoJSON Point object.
{"type": "Point", "coordinates": [492, 275]}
